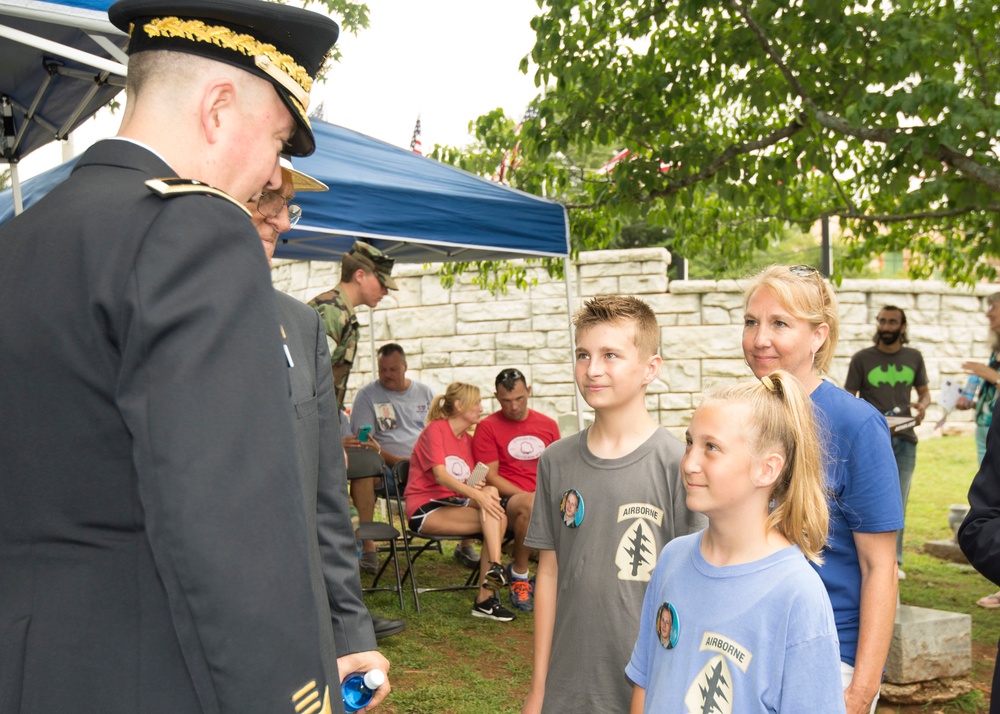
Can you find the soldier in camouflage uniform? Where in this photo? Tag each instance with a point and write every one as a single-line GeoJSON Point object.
{"type": "Point", "coordinates": [365, 278]}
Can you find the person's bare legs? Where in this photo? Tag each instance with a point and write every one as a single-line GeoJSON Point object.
{"type": "Point", "coordinates": [468, 520]}
{"type": "Point", "coordinates": [363, 495]}
{"type": "Point", "coordinates": [519, 516]}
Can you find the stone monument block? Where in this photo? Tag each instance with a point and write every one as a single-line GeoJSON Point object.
{"type": "Point", "coordinates": [929, 644]}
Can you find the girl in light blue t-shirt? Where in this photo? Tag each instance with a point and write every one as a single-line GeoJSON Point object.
{"type": "Point", "coordinates": [735, 618]}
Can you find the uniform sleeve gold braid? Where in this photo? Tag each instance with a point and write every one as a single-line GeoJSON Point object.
{"type": "Point", "coordinates": [307, 701]}
{"type": "Point", "coordinates": [221, 36]}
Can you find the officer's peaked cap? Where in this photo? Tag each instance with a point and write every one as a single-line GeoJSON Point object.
{"type": "Point", "coordinates": [285, 45]}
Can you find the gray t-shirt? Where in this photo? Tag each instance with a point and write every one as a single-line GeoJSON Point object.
{"type": "Point", "coordinates": [626, 510]}
{"type": "Point", "coordinates": [396, 418]}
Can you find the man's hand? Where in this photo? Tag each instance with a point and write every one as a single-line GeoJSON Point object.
{"type": "Point", "coordinates": [351, 442]}
{"type": "Point", "coordinates": [363, 662]}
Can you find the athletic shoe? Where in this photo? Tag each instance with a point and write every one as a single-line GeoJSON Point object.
{"type": "Point", "coordinates": [467, 556]}
{"type": "Point", "coordinates": [521, 592]}
{"type": "Point", "coordinates": [369, 562]}
{"type": "Point", "coordinates": [496, 578]}
{"type": "Point", "coordinates": [491, 609]}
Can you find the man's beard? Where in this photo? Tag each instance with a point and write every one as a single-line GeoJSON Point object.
{"type": "Point", "coordinates": [887, 337]}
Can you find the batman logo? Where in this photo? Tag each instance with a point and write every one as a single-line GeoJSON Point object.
{"type": "Point", "coordinates": [891, 375]}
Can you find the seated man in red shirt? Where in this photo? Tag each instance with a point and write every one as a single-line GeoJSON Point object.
{"type": "Point", "coordinates": [510, 442]}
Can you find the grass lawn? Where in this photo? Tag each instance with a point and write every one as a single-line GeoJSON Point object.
{"type": "Point", "coordinates": [452, 663]}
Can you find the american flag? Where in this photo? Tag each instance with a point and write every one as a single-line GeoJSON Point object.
{"type": "Point", "coordinates": [510, 158]}
{"type": "Point", "coordinates": [415, 145]}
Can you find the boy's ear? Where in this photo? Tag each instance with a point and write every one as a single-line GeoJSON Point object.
{"type": "Point", "coordinates": [653, 368]}
{"type": "Point", "coordinates": [769, 470]}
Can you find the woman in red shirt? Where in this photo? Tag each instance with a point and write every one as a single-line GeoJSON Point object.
{"type": "Point", "coordinates": [440, 502]}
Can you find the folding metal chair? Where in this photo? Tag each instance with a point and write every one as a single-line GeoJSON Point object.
{"type": "Point", "coordinates": [365, 463]}
{"type": "Point", "coordinates": [400, 473]}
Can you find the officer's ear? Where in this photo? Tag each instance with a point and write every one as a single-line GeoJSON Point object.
{"type": "Point", "coordinates": [218, 102]}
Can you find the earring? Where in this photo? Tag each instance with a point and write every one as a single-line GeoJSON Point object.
{"type": "Point", "coordinates": [772, 504]}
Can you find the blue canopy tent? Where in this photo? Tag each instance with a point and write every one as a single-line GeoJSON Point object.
{"type": "Point", "coordinates": [410, 207]}
{"type": "Point", "coordinates": [414, 208]}
{"type": "Point", "coordinates": [60, 61]}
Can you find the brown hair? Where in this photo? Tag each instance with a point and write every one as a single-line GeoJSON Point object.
{"type": "Point", "coordinates": [349, 265]}
{"type": "Point", "coordinates": [622, 310]}
{"type": "Point", "coordinates": [807, 296]}
{"type": "Point", "coordinates": [781, 417]}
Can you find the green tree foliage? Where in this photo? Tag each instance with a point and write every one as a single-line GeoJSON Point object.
{"type": "Point", "coordinates": [745, 116]}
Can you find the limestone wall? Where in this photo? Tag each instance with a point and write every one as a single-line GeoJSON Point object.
{"type": "Point", "coordinates": [466, 334]}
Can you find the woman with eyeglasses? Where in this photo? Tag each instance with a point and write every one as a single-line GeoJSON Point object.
{"type": "Point", "coordinates": [791, 323]}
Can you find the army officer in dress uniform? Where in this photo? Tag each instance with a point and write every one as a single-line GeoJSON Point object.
{"type": "Point", "coordinates": [153, 542]}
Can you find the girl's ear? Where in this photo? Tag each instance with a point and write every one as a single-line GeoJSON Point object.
{"type": "Point", "coordinates": [769, 470]}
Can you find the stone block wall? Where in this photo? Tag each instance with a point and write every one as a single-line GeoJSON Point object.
{"type": "Point", "coordinates": [466, 334]}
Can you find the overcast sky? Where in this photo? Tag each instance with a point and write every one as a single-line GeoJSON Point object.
{"type": "Point", "coordinates": [447, 60]}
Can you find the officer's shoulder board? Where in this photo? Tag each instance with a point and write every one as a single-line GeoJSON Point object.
{"type": "Point", "coordinates": [172, 187]}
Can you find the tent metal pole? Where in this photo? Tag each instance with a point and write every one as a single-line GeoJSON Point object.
{"type": "Point", "coordinates": [15, 183]}
{"type": "Point", "coordinates": [567, 269]}
{"type": "Point", "coordinates": [40, 43]}
{"type": "Point", "coordinates": [86, 20]}
{"type": "Point", "coordinates": [371, 340]}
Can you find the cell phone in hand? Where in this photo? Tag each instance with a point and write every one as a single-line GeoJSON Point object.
{"type": "Point", "coordinates": [363, 433]}
{"type": "Point", "coordinates": [478, 474]}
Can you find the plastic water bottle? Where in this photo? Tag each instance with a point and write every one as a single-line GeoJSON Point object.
{"type": "Point", "coordinates": [359, 688]}
{"type": "Point", "coordinates": [969, 390]}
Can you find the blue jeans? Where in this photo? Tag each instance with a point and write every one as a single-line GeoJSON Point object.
{"type": "Point", "coordinates": [389, 483]}
{"type": "Point", "coordinates": [906, 458]}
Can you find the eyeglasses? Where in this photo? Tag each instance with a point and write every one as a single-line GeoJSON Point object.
{"type": "Point", "coordinates": [806, 271]}
{"type": "Point", "coordinates": [270, 204]}
{"type": "Point", "coordinates": [803, 271]}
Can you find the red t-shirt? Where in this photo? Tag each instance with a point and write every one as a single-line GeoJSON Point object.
{"type": "Point", "coordinates": [517, 445]}
{"type": "Point", "coordinates": [437, 445]}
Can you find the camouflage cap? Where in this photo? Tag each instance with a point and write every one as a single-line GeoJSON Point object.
{"type": "Point", "coordinates": [375, 260]}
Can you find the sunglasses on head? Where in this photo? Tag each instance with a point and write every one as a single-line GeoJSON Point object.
{"type": "Point", "coordinates": [510, 375]}
{"type": "Point", "coordinates": [803, 271]}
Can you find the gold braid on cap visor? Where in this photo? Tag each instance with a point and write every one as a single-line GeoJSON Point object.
{"type": "Point", "coordinates": [279, 66]}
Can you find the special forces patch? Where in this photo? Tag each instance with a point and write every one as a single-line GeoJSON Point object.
{"type": "Point", "coordinates": [637, 549]}
{"type": "Point", "coordinates": [711, 692]}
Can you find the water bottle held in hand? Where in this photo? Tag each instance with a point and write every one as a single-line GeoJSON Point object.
{"type": "Point", "coordinates": [359, 688]}
{"type": "Point", "coordinates": [969, 390]}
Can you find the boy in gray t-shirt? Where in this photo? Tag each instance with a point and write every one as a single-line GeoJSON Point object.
{"type": "Point", "coordinates": [608, 500]}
